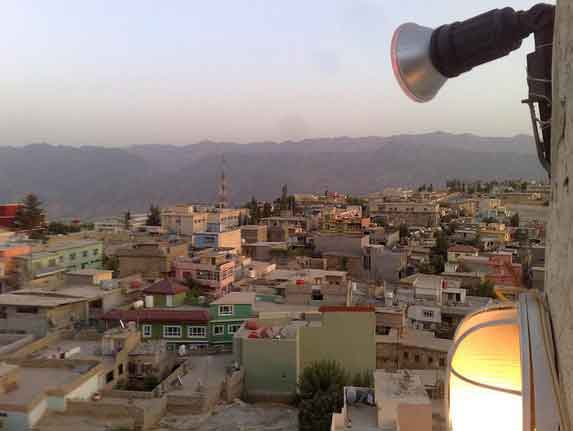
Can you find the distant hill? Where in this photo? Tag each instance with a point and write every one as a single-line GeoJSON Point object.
{"type": "Point", "coordinates": [95, 181]}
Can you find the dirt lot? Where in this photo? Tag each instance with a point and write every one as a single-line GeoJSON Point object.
{"type": "Point", "coordinates": [238, 416]}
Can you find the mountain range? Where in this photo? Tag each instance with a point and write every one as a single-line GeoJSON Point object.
{"type": "Point", "coordinates": [93, 181]}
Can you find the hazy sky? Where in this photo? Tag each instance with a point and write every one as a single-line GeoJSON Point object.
{"type": "Point", "coordinates": [177, 72]}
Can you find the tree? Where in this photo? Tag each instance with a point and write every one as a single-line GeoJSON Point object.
{"type": "Point", "coordinates": [438, 263]}
{"type": "Point", "coordinates": [486, 289]}
{"type": "Point", "coordinates": [442, 244]}
{"type": "Point", "coordinates": [127, 220]}
{"type": "Point", "coordinates": [254, 211]}
{"type": "Point", "coordinates": [267, 210]}
{"type": "Point", "coordinates": [403, 231]}
{"type": "Point", "coordinates": [283, 203]}
{"type": "Point", "coordinates": [291, 203]}
{"type": "Point", "coordinates": [320, 393]}
{"type": "Point", "coordinates": [154, 216]}
{"type": "Point", "coordinates": [110, 263]}
{"type": "Point", "coordinates": [31, 217]}
{"type": "Point", "coordinates": [514, 220]}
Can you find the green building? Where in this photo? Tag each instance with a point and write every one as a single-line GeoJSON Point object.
{"type": "Point", "coordinates": [168, 317]}
{"type": "Point", "coordinates": [178, 327]}
{"type": "Point", "coordinates": [165, 293]}
{"type": "Point", "coordinates": [50, 264]}
{"type": "Point", "coordinates": [228, 314]}
{"type": "Point", "coordinates": [275, 354]}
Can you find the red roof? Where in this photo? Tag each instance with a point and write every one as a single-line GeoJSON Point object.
{"type": "Point", "coordinates": [166, 287]}
{"type": "Point", "coordinates": [158, 315]}
{"type": "Point", "coordinates": [460, 248]}
{"type": "Point", "coordinates": [343, 308]}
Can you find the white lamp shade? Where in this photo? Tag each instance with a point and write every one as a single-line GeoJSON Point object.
{"type": "Point", "coordinates": [485, 379]}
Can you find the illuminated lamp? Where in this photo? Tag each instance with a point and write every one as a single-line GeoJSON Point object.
{"type": "Point", "coordinates": [501, 371]}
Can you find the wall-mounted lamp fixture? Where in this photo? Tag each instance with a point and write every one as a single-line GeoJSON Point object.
{"type": "Point", "coordinates": [423, 59]}
{"type": "Point", "coordinates": [501, 370]}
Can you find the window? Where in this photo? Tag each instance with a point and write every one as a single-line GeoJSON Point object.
{"type": "Point", "coordinates": [430, 360]}
{"type": "Point", "coordinates": [231, 329]}
{"type": "Point", "coordinates": [442, 362]}
{"type": "Point", "coordinates": [225, 310]}
{"type": "Point", "coordinates": [146, 330]}
{"type": "Point", "coordinates": [61, 258]}
{"type": "Point", "coordinates": [196, 331]}
{"type": "Point", "coordinates": [52, 262]}
{"type": "Point", "coordinates": [428, 313]}
{"type": "Point", "coordinates": [218, 330]}
{"type": "Point", "coordinates": [170, 331]}
{"type": "Point", "coordinates": [120, 369]}
{"type": "Point", "coordinates": [72, 256]}
{"type": "Point", "coordinates": [96, 252]}
{"type": "Point", "coordinates": [406, 355]}
{"type": "Point", "coordinates": [85, 253]}
{"type": "Point", "coordinates": [27, 310]}
{"type": "Point", "coordinates": [109, 377]}
{"type": "Point", "coordinates": [416, 358]}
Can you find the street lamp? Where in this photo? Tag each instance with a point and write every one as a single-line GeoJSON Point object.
{"type": "Point", "coordinates": [423, 59]}
{"type": "Point", "coordinates": [501, 370]}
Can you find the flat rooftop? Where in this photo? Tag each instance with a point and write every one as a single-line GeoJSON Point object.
{"type": "Point", "coordinates": [88, 349]}
{"type": "Point", "coordinates": [290, 274]}
{"type": "Point", "coordinates": [273, 307]}
{"type": "Point", "coordinates": [236, 298]}
{"type": "Point", "coordinates": [31, 300]}
{"type": "Point", "coordinates": [33, 381]}
{"type": "Point", "coordinates": [416, 338]}
{"type": "Point", "coordinates": [89, 271]}
{"type": "Point", "coordinates": [403, 386]}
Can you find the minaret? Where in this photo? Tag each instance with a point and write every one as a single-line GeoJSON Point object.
{"type": "Point", "coordinates": [223, 193]}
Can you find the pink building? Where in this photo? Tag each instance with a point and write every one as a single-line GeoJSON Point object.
{"type": "Point", "coordinates": [214, 271]}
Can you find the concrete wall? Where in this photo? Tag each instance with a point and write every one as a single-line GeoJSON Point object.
{"type": "Point", "coordinates": [559, 271]}
{"type": "Point", "coordinates": [270, 368]}
{"type": "Point", "coordinates": [37, 327]}
{"type": "Point", "coordinates": [36, 345]}
{"type": "Point", "coordinates": [347, 337]}
{"type": "Point", "coordinates": [234, 386]}
{"type": "Point", "coordinates": [16, 342]}
{"type": "Point", "coordinates": [414, 417]}
{"type": "Point", "coordinates": [392, 356]}
{"type": "Point", "coordinates": [86, 389]}
{"type": "Point", "coordinates": [346, 244]}
{"type": "Point", "coordinates": [144, 418]}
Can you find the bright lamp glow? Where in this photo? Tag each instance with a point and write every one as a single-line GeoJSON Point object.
{"type": "Point", "coordinates": [485, 379]}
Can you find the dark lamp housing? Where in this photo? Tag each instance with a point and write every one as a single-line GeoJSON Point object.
{"type": "Point", "coordinates": [423, 59]}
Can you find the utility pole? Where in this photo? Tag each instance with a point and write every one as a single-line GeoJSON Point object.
{"type": "Point", "coordinates": [559, 271]}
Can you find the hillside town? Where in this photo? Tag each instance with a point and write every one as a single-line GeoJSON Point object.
{"type": "Point", "coordinates": [194, 315]}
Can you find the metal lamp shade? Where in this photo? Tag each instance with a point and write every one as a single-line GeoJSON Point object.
{"type": "Point", "coordinates": [411, 63]}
